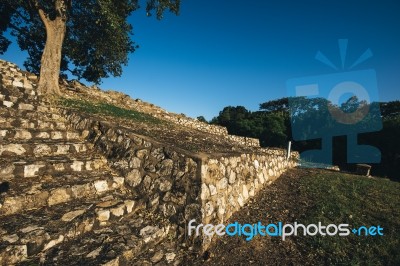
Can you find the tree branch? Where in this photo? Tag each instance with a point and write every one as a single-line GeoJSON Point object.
{"type": "Point", "coordinates": [61, 7]}
{"type": "Point", "coordinates": [35, 4]}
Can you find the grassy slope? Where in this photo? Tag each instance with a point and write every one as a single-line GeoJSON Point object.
{"type": "Point", "coordinates": [309, 196]}
{"type": "Point", "coordinates": [102, 108]}
{"type": "Point", "coordinates": [342, 198]}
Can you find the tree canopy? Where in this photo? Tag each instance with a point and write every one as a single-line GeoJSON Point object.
{"type": "Point", "coordinates": [270, 126]}
{"type": "Point", "coordinates": [91, 39]}
{"type": "Point", "coordinates": [273, 125]}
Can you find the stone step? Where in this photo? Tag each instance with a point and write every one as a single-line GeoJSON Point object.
{"type": "Point", "coordinates": [27, 106]}
{"type": "Point", "coordinates": [25, 235]}
{"type": "Point", "coordinates": [27, 114]}
{"type": "Point", "coordinates": [12, 116]}
{"type": "Point", "coordinates": [17, 89]}
{"type": "Point", "coordinates": [114, 246]}
{"type": "Point", "coordinates": [117, 243]}
{"type": "Point", "coordinates": [17, 96]}
{"type": "Point", "coordinates": [26, 110]}
{"type": "Point", "coordinates": [33, 193]}
{"type": "Point", "coordinates": [33, 167]}
{"type": "Point", "coordinates": [30, 135]}
{"type": "Point", "coordinates": [23, 123]}
{"type": "Point", "coordinates": [31, 149]}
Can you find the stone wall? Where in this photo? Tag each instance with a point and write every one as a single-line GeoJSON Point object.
{"type": "Point", "coordinates": [173, 184]}
{"type": "Point", "coordinates": [228, 182]}
{"type": "Point", "coordinates": [180, 186]}
{"type": "Point", "coordinates": [193, 123]}
{"type": "Point", "coordinates": [212, 129]}
{"type": "Point", "coordinates": [165, 181]}
{"type": "Point", "coordinates": [11, 75]}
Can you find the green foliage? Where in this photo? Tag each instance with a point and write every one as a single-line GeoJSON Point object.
{"type": "Point", "coordinates": [276, 105]}
{"type": "Point", "coordinates": [5, 11]}
{"type": "Point", "coordinates": [160, 5]}
{"type": "Point", "coordinates": [275, 130]}
{"type": "Point", "coordinates": [390, 109]}
{"type": "Point", "coordinates": [109, 110]}
{"type": "Point", "coordinates": [272, 125]}
{"type": "Point", "coordinates": [387, 140]}
{"type": "Point", "coordinates": [239, 121]}
{"type": "Point", "coordinates": [202, 119]}
{"type": "Point", "coordinates": [98, 38]}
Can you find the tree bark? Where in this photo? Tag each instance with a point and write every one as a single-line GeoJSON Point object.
{"type": "Point", "coordinates": [51, 57]}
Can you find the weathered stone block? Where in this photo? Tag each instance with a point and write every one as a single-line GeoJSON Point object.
{"type": "Point", "coordinates": [101, 186]}
{"type": "Point", "coordinates": [23, 135]}
{"type": "Point", "coordinates": [205, 192]}
{"type": "Point", "coordinates": [56, 135]}
{"type": "Point", "coordinates": [213, 190]}
{"type": "Point", "coordinates": [16, 149]}
{"type": "Point", "coordinates": [129, 205]}
{"type": "Point", "coordinates": [42, 135]}
{"type": "Point", "coordinates": [77, 166]}
{"type": "Point", "coordinates": [32, 170]}
{"type": "Point", "coordinates": [8, 104]}
{"type": "Point", "coordinates": [42, 150]}
{"type": "Point", "coordinates": [103, 215]}
{"type": "Point", "coordinates": [118, 211]}
{"type": "Point", "coordinates": [69, 216]}
{"type": "Point", "coordinates": [28, 107]}
{"type": "Point", "coordinates": [134, 178]}
{"type": "Point", "coordinates": [222, 184]}
{"type": "Point", "coordinates": [58, 196]}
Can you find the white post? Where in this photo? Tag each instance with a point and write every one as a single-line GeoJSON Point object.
{"type": "Point", "coordinates": [288, 150]}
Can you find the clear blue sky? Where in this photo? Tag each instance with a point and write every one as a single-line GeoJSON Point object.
{"type": "Point", "coordinates": [218, 53]}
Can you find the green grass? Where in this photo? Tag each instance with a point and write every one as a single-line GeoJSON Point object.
{"type": "Point", "coordinates": [358, 201]}
{"type": "Point", "coordinates": [109, 110]}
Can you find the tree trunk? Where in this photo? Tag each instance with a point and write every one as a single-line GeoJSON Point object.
{"type": "Point", "coordinates": [51, 57]}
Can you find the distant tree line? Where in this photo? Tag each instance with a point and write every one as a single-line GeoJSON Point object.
{"type": "Point", "coordinates": [272, 125]}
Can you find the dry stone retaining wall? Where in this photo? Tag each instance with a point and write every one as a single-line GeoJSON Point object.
{"type": "Point", "coordinates": [163, 180]}
{"type": "Point", "coordinates": [228, 182]}
{"type": "Point", "coordinates": [180, 186]}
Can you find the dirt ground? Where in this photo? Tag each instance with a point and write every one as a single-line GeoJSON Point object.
{"type": "Point", "coordinates": [281, 201]}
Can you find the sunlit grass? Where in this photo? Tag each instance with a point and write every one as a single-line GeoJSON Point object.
{"type": "Point", "coordinates": [109, 110]}
{"type": "Point", "coordinates": [358, 201]}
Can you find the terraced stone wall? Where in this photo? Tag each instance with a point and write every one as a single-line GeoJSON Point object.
{"type": "Point", "coordinates": [228, 182]}
{"type": "Point", "coordinates": [165, 181]}
{"type": "Point", "coordinates": [175, 185]}
{"type": "Point", "coordinates": [212, 129]}
{"type": "Point", "coordinates": [183, 187]}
